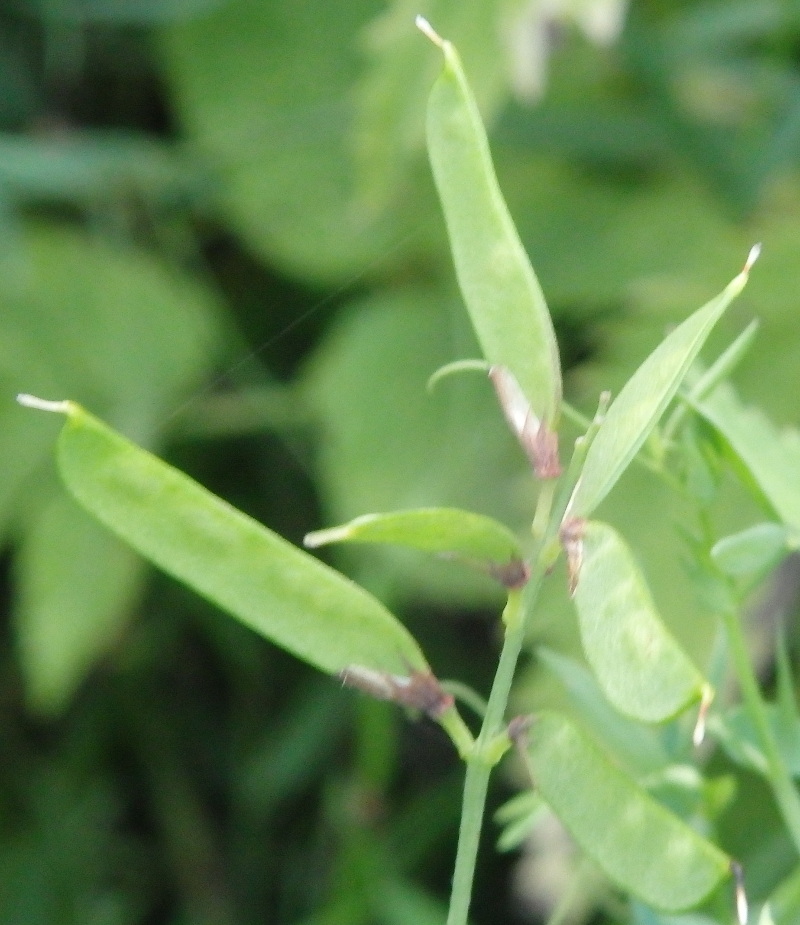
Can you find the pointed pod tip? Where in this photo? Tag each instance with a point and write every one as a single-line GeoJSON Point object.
{"type": "Point", "coordinates": [742, 905]}
{"type": "Point", "coordinates": [43, 404]}
{"type": "Point", "coordinates": [428, 31]}
{"type": "Point", "coordinates": [318, 538]}
{"type": "Point", "coordinates": [755, 253]}
{"type": "Point", "coordinates": [699, 733]}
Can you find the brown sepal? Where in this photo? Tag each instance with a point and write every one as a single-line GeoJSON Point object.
{"type": "Point", "coordinates": [513, 575]}
{"type": "Point", "coordinates": [420, 690]}
{"type": "Point", "coordinates": [537, 440]}
{"type": "Point", "coordinates": [571, 536]}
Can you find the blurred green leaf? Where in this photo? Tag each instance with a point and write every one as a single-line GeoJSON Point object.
{"type": "Point", "coordinates": [770, 456]}
{"type": "Point", "coordinates": [402, 902]}
{"type": "Point", "coordinates": [637, 747]}
{"type": "Point", "coordinates": [500, 288]}
{"type": "Point", "coordinates": [638, 663]}
{"type": "Point", "coordinates": [642, 846]}
{"type": "Point", "coordinates": [87, 168]}
{"type": "Point", "coordinates": [518, 816]}
{"type": "Point", "coordinates": [76, 587]}
{"type": "Point", "coordinates": [753, 552]}
{"type": "Point", "coordinates": [785, 899]}
{"type": "Point", "coordinates": [735, 731]}
{"type": "Point", "coordinates": [136, 12]}
{"type": "Point", "coordinates": [642, 915]}
{"type": "Point", "coordinates": [266, 92]}
{"type": "Point", "coordinates": [116, 327]}
{"type": "Point", "coordinates": [390, 131]}
{"type": "Point", "coordinates": [271, 586]}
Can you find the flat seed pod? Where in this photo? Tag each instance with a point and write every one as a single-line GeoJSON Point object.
{"type": "Point", "coordinates": [500, 289]}
{"type": "Point", "coordinates": [473, 538]}
{"type": "Point", "coordinates": [638, 663]}
{"type": "Point", "coordinates": [252, 573]}
{"type": "Point", "coordinates": [645, 396]}
{"type": "Point", "coordinates": [639, 843]}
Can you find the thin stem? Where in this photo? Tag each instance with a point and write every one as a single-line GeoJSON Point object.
{"type": "Point", "coordinates": [469, 833]}
{"type": "Point", "coordinates": [466, 695]}
{"type": "Point", "coordinates": [516, 617]}
{"type": "Point", "coordinates": [477, 780]}
{"type": "Point", "coordinates": [783, 788]}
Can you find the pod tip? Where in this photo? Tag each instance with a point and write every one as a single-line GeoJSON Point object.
{"type": "Point", "coordinates": [428, 31]}
{"type": "Point", "coordinates": [742, 910]}
{"type": "Point", "coordinates": [43, 404]}
{"type": "Point", "coordinates": [755, 252]}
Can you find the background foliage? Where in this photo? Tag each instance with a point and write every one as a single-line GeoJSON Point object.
{"type": "Point", "coordinates": [220, 234]}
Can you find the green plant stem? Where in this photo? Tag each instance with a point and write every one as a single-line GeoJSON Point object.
{"type": "Point", "coordinates": [479, 766]}
{"type": "Point", "coordinates": [551, 508]}
{"type": "Point", "coordinates": [477, 778]}
{"type": "Point", "coordinates": [783, 787]}
{"type": "Point", "coordinates": [476, 784]}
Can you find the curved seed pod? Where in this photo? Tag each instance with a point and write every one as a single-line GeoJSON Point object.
{"type": "Point", "coordinates": [252, 573]}
{"type": "Point", "coordinates": [638, 663]}
{"type": "Point", "coordinates": [500, 288]}
{"type": "Point", "coordinates": [639, 843]}
{"type": "Point", "coordinates": [645, 396]}
{"type": "Point", "coordinates": [474, 539]}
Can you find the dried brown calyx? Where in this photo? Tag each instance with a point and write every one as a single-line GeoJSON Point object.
{"type": "Point", "coordinates": [539, 442]}
{"type": "Point", "coordinates": [420, 690]}
{"type": "Point", "coordinates": [571, 536]}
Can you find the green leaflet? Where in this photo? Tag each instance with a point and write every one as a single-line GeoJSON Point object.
{"type": "Point", "coordinates": [500, 288]}
{"type": "Point", "coordinates": [279, 591]}
{"type": "Point", "coordinates": [753, 552]}
{"type": "Point", "coordinates": [644, 398]}
{"type": "Point", "coordinates": [639, 665]}
{"type": "Point", "coordinates": [771, 456]}
{"type": "Point", "coordinates": [474, 538]}
{"type": "Point", "coordinates": [639, 844]}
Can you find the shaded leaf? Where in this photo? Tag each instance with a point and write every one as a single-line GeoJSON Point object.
{"type": "Point", "coordinates": [267, 92]}
{"type": "Point", "coordinates": [76, 586]}
{"type": "Point", "coordinates": [740, 739]}
{"type": "Point", "coordinates": [754, 551]}
{"type": "Point", "coordinates": [637, 842]}
{"type": "Point", "coordinates": [771, 456]}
